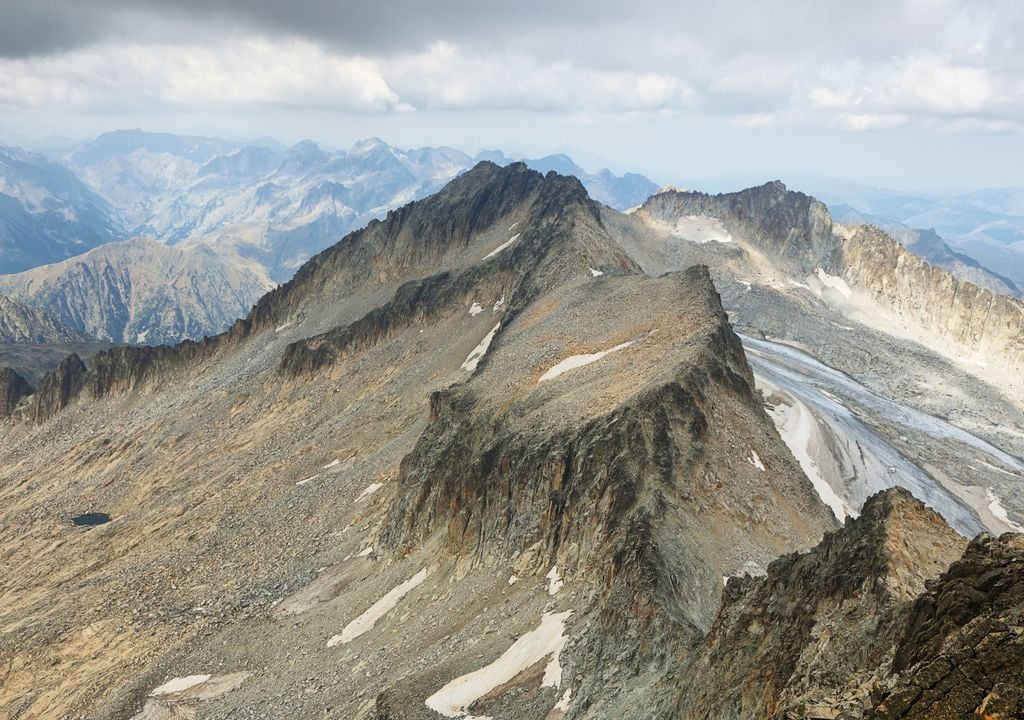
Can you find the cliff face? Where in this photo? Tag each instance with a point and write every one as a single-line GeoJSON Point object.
{"type": "Point", "coordinates": [13, 388]}
{"type": "Point", "coordinates": [961, 651]}
{"type": "Point", "coordinates": [802, 635]}
{"type": "Point", "coordinates": [978, 321]}
{"type": "Point", "coordinates": [58, 389]}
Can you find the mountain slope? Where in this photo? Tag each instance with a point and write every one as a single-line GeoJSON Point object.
{"type": "Point", "coordinates": [46, 213]}
{"type": "Point", "coordinates": [139, 291]}
{"type": "Point", "coordinates": [20, 323]}
{"type": "Point", "coordinates": [298, 471]}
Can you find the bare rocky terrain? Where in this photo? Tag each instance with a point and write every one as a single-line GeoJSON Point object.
{"type": "Point", "coordinates": [502, 454]}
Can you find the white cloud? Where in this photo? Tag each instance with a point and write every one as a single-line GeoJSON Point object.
{"type": "Point", "coordinates": [248, 72]}
{"type": "Point", "coordinates": [870, 65]}
{"type": "Point", "coordinates": [447, 77]}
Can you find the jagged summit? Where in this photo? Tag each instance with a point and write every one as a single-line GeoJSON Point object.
{"type": "Point", "coordinates": [807, 634]}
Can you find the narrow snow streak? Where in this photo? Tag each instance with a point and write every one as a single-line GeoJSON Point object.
{"type": "Point", "coordinates": [474, 357]}
{"type": "Point", "coordinates": [834, 282]}
{"type": "Point", "coordinates": [303, 482]}
{"type": "Point", "coordinates": [755, 460]}
{"type": "Point", "coordinates": [577, 361]}
{"type": "Point", "coordinates": [547, 640]}
{"type": "Point", "coordinates": [501, 247]}
{"type": "Point", "coordinates": [370, 490]}
{"type": "Point", "coordinates": [179, 684]}
{"type": "Point", "coordinates": [379, 609]}
{"type": "Point", "coordinates": [332, 463]}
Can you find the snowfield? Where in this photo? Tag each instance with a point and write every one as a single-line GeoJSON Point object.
{"type": "Point", "coordinates": [365, 622]}
{"type": "Point", "coordinates": [577, 361]}
{"type": "Point", "coordinates": [547, 640]}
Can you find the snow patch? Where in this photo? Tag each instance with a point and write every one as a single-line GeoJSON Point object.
{"type": "Point", "coordinates": [554, 581]}
{"type": "Point", "coordinates": [498, 304]}
{"type": "Point", "coordinates": [547, 640]}
{"type": "Point", "coordinates": [563, 702]}
{"type": "Point", "coordinates": [834, 282]}
{"type": "Point", "coordinates": [512, 579]}
{"type": "Point", "coordinates": [796, 427]}
{"type": "Point", "coordinates": [379, 609]}
{"type": "Point", "coordinates": [755, 460]}
{"type": "Point", "coordinates": [503, 246]}
{"type": "Point", "coordinates": [476, 308]}
{"type": "Point", "coordinates": [995, 506]}
{"type": "Point", "coordinates": [474, 357]}
{"type": "Point", "coordinates": [595, 273]}
{"type": "Point", "coordinates": [179, 684]}
{"type": "Point", "coordinates": [365, 551]}
{"type": "Point", "coordinates": [370, 490]}
{"type": "Point", "coordinates": [577, 361]}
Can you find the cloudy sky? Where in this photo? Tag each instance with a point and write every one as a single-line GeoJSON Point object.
{"type": "Point", "coordinates": [906, 93]}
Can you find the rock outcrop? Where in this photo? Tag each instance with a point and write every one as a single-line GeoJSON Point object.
{"type": "Point", "coordinates": [58, 389]}
{"type": "Point", "coordinates": [961, 651]}
{"type": "Point", "coordinates": [808, 633]}
{"type": "Point", "coordinates": [13, 389]}
{"type": "Point", "coordinates": [794, 228]}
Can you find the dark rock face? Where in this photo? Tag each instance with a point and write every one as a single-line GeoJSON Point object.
{"type": "Point", "coordinates": [795, 637]}
{"type": "Point", "coordinates": [13, 389]}
{"type": "Point", "coordinates": [792, 226]}
{"type": "Point", "coordinates": [961, 652]}
{"type": "Point", "coordinates": [58, 389]}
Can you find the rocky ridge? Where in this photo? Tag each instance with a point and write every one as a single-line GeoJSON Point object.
{"type": "Point", "coordinates": [470, 460]}
{"type": "Point", "coordinates": [922, 301]}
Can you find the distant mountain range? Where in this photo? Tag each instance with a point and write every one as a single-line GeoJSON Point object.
{"type": "Point", "coordinates": [20, 323]}
{"type": "Point", "coordinates": [47, 214]}
{"type": "Point", "coordinates": [241, 218]}
{"type": "Point", "coordinates": [244, 217]}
